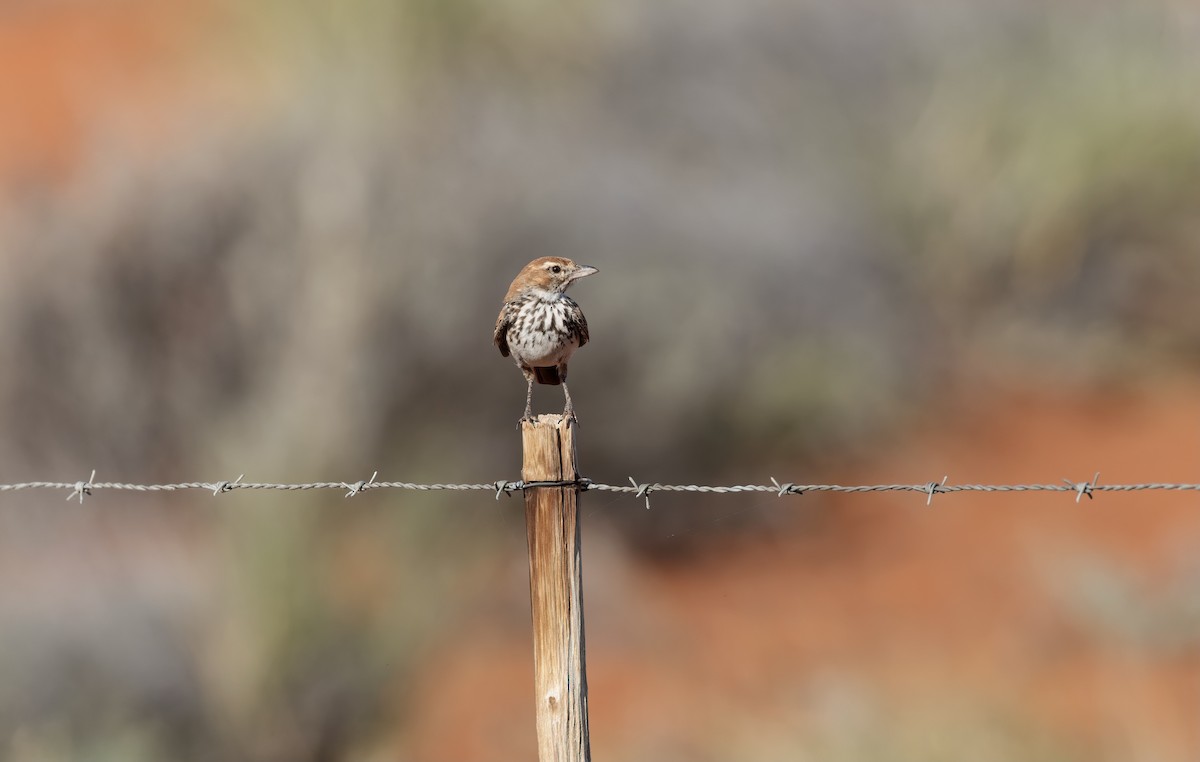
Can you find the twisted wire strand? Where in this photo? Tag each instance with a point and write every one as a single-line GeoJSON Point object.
{"type": "Point", "coordinates": [639, 489]}
{"type": "Point", "coordinates": [230, 486]}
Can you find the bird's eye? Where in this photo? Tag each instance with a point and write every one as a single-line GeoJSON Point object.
{"type": "Point", "coordinates": [556, 269]}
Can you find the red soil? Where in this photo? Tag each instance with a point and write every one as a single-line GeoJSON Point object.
{"type": "Point", "coordinates": [69, 71]}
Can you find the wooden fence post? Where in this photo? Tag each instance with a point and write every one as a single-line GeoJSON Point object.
{"type": "Point", "coordinates": [556, 590]}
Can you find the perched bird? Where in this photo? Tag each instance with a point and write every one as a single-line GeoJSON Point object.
{"type": "Point", "coordinates": [540, 326]}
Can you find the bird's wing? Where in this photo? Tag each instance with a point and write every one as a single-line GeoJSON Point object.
{"type": "Point", "coordinates": [577, 323]}
{"type": "Point", "coordinates": [503, 323]}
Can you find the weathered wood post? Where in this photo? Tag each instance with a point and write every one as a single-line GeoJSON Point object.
{"type": "Point", "coordinates": [556, 590]}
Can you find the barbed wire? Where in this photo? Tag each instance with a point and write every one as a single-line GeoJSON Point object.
{"type": "Point", "coordinates": [78, 489]}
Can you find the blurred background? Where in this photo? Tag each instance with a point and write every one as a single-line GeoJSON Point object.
{"type": "Point", "coordinates": [854, 242]}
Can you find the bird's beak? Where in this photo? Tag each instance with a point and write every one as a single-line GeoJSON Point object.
{"type": "Point", "coordinates": [581, 272]}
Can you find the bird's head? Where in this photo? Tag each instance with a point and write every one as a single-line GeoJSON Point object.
{"type": "Point", "coordinates": [551, 275]}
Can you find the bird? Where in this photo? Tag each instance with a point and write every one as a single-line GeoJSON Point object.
{"type": "Point", "coordinates": [541, 327]}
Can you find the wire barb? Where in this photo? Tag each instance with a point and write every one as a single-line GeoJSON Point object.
{"type": "Point", "coordinates": [643, 490]}
{"type": "Point", "coordinates": [506, 488]}
{"type": "Point", "coordinates": [223, 486]}
{"type": "Point", "coordinates": [1083, 488]}
{"type": "Point", "coordinates": [786, 489]}
{"type": "Point", "coordinates": [932, 488]}
{"type": "Point", "coordinates": [359, 486]}
{"type": "Point", "coordinates": [83, 488]}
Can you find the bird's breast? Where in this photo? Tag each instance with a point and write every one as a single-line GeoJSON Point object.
{"type": "Point", "coordinates": [539, 336]}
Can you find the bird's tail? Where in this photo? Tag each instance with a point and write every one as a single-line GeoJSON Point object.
{"type": "Point", "coordinates": [548, 376]}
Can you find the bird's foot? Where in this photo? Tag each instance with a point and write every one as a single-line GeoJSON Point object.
{"type": "Point", "coordinates": [527, 418]}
